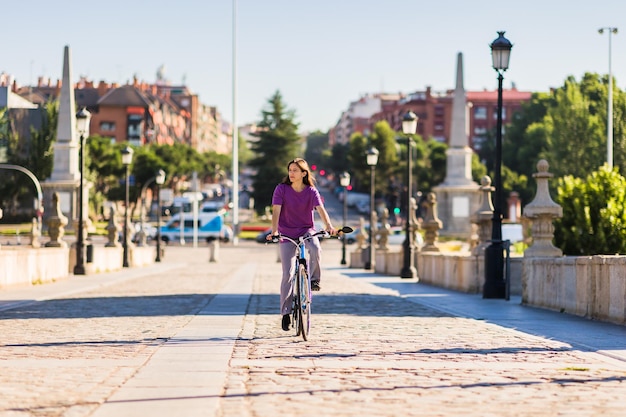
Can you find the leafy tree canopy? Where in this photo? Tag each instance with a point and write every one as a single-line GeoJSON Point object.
{"type": "Point", "coordinates": [278, 143]}
{"type": "Point", "coordinates": [594, 220]}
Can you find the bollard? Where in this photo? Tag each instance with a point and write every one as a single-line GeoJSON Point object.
{"type": "Point", "coordinates": [214, 245]}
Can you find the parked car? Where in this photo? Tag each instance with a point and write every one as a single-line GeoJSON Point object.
{"type": "Point", "coordinates": [210, 226]}
{"type": "Point", "coordinates": [149, 229]}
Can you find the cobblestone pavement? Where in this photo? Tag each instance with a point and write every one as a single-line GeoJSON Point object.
{"type": "Point", "coordinates": [372, 351]}
{"type": "Point", "coordinates": [65, 356]}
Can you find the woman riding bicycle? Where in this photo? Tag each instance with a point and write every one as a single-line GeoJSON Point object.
{"type": "Point", "coordinates": [293, 204]}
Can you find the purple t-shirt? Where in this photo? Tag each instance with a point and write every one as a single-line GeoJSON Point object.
{"type": "Point", "coordinates": [296, 213]}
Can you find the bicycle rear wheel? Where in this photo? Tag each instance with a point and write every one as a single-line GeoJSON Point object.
{"type": "Point", "coordinates": [303, 290]}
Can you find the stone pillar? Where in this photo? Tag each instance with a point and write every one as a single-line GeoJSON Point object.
{"type": "Point", "coordinates": [361, 237]}
{"type": "Point", "coordinates": [35, 234]}
{"type": "Point", "coordinates": [431, 224]}
{"type": "Point", "coordinates": [415, 223]}
{"type": "Point", "coordinates": [113, 230]}
{"type": "Point", "coordinates": [65, 176]}
{"type": "Point", "coordinates": [214, 250]}
{"type": "Point", "coordinates": [383, 232]}
{"type": "Point", "coordinates": [542, 211]}
{"type": "Point", "coordinates": [483, 216]}
{"type": "Point", "coordinates": [56, 224]}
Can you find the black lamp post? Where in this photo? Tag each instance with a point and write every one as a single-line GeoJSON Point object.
{"type": "Point", "coordinates": [372, 160]}
{"type": "Point", "coordinates": [82, 124]}
{"type": "Point", "coordinates": [160, 180]}
{"type": "Point", "coordinates": [409, 127]}
{"type": "Point", "coordinates": [344, 181]}
{"type": "Point", "coordinates": [127, 159]}
{"type": "Point", "coordinates": [494, 259]}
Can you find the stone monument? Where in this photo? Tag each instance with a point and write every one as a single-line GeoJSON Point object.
{"type": "Point", "coordinates": [65, 178]}
{"type": "Point", "coordinates": [458, 196]}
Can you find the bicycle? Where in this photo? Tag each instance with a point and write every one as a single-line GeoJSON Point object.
{"type": "Point", "coordinates": [301, 281]}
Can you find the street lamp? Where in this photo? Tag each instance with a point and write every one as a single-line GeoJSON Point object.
{"type": "Point", "coordinates": [609, 121]}
{"type": "Point", "coordinates": [344, 181]}
{"type": "Point", "coordinates": [127, 159]}
{"type": "Point", "coordinates": [372, 160]}
{"type": "Point", "coordinates": [160, 180]}
{"type": "Point", "coordinates": [494, 260]}
{"type": "Point", "coordinates": [82, 124]}
{"type": "Point", "coordinates": [409, 127]}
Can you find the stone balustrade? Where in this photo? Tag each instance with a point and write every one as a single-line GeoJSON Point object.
{"type": "Point", "coordinates": [55, 260]}
{"type": "Point", "coordinates": [587, 286]}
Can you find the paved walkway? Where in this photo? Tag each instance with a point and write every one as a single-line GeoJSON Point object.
{"type": "Point", "coordinates": [191, 338]}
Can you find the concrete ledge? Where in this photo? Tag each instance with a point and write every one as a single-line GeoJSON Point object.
{"type": "Point", "coordinates": [142, 255]}
{"type": "Point", "coordinates": [460, 271]}
{"type": "Point", "coordinates": [586, 286]}
{"type": "Point", "coordinates": [21, 266]}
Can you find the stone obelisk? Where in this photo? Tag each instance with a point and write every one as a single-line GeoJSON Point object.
{"type": "Point", "coordinates": [65, 178]}
{"type": "Point", "coordinates": [458, 196]}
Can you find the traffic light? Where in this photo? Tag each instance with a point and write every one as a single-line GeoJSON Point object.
{"type": "Point", "coordinates": [396, 210]}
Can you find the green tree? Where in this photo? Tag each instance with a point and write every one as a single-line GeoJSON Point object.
{"type": "Point", "coordinates": [575, 133]}
{"type": "Point", "coordinates": [34, 153]}
{"type": "Point", "coordinates": [594, 220]}
{"type": "Point", "coordinates": [358, 147]}
{"type": "Point", "coordinates": [317, 151]}
{"type": "Point", "coordinates": [479, 170]}
{"type": "Point", "coordinates": [4, 134]}
{"type": "Point", "coordinates": [338, 161]}
{"type": "Point", "coordinates": [383, 138]}
{"type": "Point", "coordinates": [525, 140]}
{"type": "Point", "coordinates": [40, 155]}
{"type": "Point", "coordinates": [278, 143]}
{"type": "Point", "coordinates": [430, 169]}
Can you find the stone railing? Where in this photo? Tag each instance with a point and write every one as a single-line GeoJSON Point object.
{"type": "Point", "coordinates": [587, 286]}
{"type": "Point", "coordinates": [55, 260]}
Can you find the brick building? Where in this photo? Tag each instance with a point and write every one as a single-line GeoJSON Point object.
{"type": "Point", "coordinates": [434, 110]}
{"type": "Point", "coordinates": [141, 113]}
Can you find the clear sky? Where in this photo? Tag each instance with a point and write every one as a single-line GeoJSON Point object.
{"type": "Point", "coordinates": [320, 54]}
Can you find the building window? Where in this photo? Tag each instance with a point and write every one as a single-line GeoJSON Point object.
{"type": "Point", "coordinates": [107, 126]}
{"type": "Point", "coordinates": [480, 113]}
{"type": "Point", "coordinates": [439, 111]}
{"type": "Point", "coordinates": [135, 127]}
{"type": "Point", "coordinates": [480, 131]}
{"type": "Point", "coordinates": [478, 142]}
{"type": "Point", "coordinates": [495, 113]}
{"type": "Point", "coordinates": [438, 126]}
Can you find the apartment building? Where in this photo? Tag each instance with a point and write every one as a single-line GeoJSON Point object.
{"type": "Point", "coordinates": [434, 110]}
{"type": "Point", "coordinates": [142, 113]}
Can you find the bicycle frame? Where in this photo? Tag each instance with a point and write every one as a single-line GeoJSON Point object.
{"type": "Point", "coordinates": [301, 280]}
{"type": "Point", "coordinates": [301, 285]}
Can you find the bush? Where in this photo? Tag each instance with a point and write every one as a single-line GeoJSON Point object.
{"type": "Point", "coordinates": [594, 219]}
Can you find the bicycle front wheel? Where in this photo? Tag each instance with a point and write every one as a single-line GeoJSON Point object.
{"type": "Point", "coordinates": [303, 289]}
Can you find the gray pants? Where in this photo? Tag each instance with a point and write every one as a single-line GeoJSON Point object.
{"type": "Point", "coordinates": [288, 259]}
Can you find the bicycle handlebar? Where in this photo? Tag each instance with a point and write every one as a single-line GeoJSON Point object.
{"type": "Point", "coordinates": [322, 233]}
